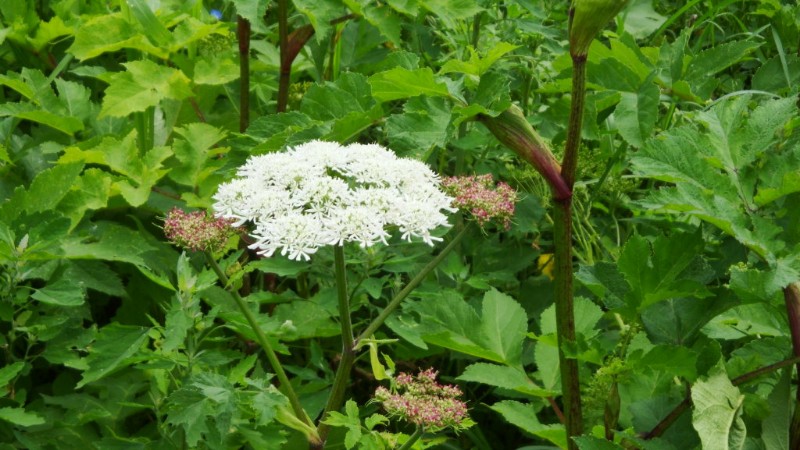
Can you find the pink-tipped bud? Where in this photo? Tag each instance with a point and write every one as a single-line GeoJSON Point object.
{"type": "Point", "coordinates": [484, 200]}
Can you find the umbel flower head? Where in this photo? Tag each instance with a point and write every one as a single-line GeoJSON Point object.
{"type": "Point", "coordinates": [321, 193]}
{"type": "Point", "coordinates": [424, 402]}
{"type": "Point", "coordinates": [196, 231]}
{"type": "Point", "coordinates": [485, 201]}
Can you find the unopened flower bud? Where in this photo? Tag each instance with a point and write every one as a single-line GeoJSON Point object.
{"type": "Point", "coordinates": [587, 18]}
{"type": "Point", "coordinates": [197, 231]}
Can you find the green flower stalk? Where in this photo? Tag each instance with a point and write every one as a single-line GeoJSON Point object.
{"type": "Point", "coordinates": [587, 19]}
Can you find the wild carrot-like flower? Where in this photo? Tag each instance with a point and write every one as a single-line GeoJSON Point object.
{"type": "Point", "coordinates": [321, 193]}
{"type": "Point", "coordinates": [485, 201]}
{"type": "Point", "coordinates": [424, 402]}
{"type": "Point", "coordinates": [196, 231]}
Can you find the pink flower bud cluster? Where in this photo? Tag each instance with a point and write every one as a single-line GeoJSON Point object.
{"type": "Point", "coordinates": [196, 231]}
{"type": "Point", "coordinates": [424, 402]}
{"type": "Point", "coordinates": [485, 201]}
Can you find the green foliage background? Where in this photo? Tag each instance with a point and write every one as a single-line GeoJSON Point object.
{"type": "Point", "coordinates": [687, 221]}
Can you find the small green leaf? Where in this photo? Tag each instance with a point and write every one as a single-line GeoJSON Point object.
{"type": "Point", "coordinates": [106, 33]}
{"type": "Point", "coordinates": [9, 372]}
{"type": "Point", "coordinates": [50, 186]}
{"type": "Point", "coordinates": [400, 83]}
{"type": "Point", "coordinates": [143, 85]}
{"type": "Point", "coordinates": [320, 13]}
{"type": "Point", "coordinates": [20, 417]}
{"type": "Point", "coordinates": [215, 71]}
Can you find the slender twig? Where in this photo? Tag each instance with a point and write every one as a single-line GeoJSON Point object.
{"type": "Point", "coordinates": [261, 338]}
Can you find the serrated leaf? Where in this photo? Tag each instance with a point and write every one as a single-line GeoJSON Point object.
{"type": "Point", "coordinates": [656, 273]}
{"type": "Point", "coordinates": [106, 33]}
{"type": "Point", "coordinates": [320, 13]}
{"type": "Point", "coordinates": [400, 83]}
{"type": "Point", "coordinates": [215, 71]}
{"type": "Point", "coordinates": [20, 417]}
{"type": "Point", "coordinates": [194, 150]}
{"type": "Point", "coordinates": [253, 11]}
{"type": "Point", "coordinates": [386, 21]}
{"type": "Point", "coordinates": [280, 266]}
{"type": "Point", "coordinates": [505, 325]}
{"type": "Point", "coordinates": [452, 11]}
{"type": "Point", "coordinates": [422, 126]}
{"type": "Point", "coordinates": [524, 417]}
{"type": "Point", "coordinates": [204, 408]}
{"type": "Point", "coordinates": [672, 359]}
{"type": "Point", "coordinates": [511, 378]}
{"type": "Point", "coordinates": [153, 29]}
{"type": "Point", "coordinates": [635, 115]}
{"type": "Point", "coordinates": [142, 86]}
{"type": "Point", "coordinates": [64, 292]}
{"type": "Point", "coordinates": [478, 65]}
{"type": "Point", "coordinates": [114, 344]}
{"type": "Point", "coordinates": [50, 186]}
{"type": "Point", "coordinates": [717, 414]}
{"type": "Point", "coordinates": [774, 428]}
{"type": "Point", "coordinates": [9, 372]}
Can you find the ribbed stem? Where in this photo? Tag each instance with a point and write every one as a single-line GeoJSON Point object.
{"type": "Point", "coordinates": [261, 338]}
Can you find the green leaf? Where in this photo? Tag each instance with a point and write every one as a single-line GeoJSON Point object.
{"type": "Point", "coordinates": [215, 71]}
{"type": "Point", "coordinates": [504, 377]}
{"type": "Point", "coordinates": [637, 112]}
{"type": "Point", "coordinates": [707, 63]}
{"type": "Point", "coordinates": [505, 325]}
{"type": "Point", "coordinates": [422, 127]}
{"type": "Point", "coordinates": [673, 359]}
{"type": "Point", "coordinates": [114, 345]}
{"type": "Point", "coordinates": [142, 86]}
{"type": "Point", "coordinates": [524, 417]}
{"type": "Point", "coordinates": [595, 443]}
{"type": "Point", "coordinates": [640, 19]}
{"type": "Point", "coordinates": [10, 372]}
{"type": "Point", "coordinates": [717, 414]}
{"type": "Point", "coordinates": [194, 151]}
{"type": "Point", "coordinates": [478, 65]}
{"type": "Point", "coordinates": [106, 33]}
{"type": "Point", "coordinates": [320, 13]}
{"type": "Point", "coordinates": [64, 292]}
{"type": "Point", "coordinates": [50, 186]}
{"type": "Point", "coordinates": [400, 83]}
{"type": "Point", "coordinates": [65, 124]}
{"type": "Point", "coordinates": [452, 11]}
{"type": "Point", "coordinates": [253, 11]}
{"type": "Point", "coordinates": [774, 428]}
{"type": "Point", "coordinates": [153, 29]}
{"type": "Point", "coordinates": [302, 319]}
{"type": "Point", "coordinates": [660, 272]}
{"type": "Point", "coordinates": [20, 417]}
{"type": "Point", "coordinates": [204, 408]}
{"type": "Point", "coordinates": [386, 21]}
{"type": "Point", "coordinates": [76, 99]}
{"type": "Point", "coordinates": [278, 265]}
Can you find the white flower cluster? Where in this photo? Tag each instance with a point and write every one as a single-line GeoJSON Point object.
{"type": "Point", "coordinates": [321, 193]}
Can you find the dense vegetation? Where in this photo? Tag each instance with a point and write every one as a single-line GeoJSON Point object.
{"type": "Point", "coordinates": [644, 294]}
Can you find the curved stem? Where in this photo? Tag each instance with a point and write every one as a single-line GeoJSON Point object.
{"type": "Point", "coordinates": [395, 302]}
{"type": "Point", "coordinates": [414, 438]}
{"type": "Point", "coordinates": [261, 338]}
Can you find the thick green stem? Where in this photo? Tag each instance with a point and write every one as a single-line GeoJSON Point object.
{"type": "Point", "coordinates": [413, 439]}
{"type": "Point", "coordinates": [261, 338]}
{"type": "Point", "coordinates": [243, 35]}
{"type": "Point", "coordinates": [395, 302]}
{"type": "Point", "coordinates": [340, 380]}
{"type": "Point", "coordinates": [286, 61]}
{"type": "Point", "coordinates": [562, 218]}
{"type": "Point", "coordinates": [791, 295]}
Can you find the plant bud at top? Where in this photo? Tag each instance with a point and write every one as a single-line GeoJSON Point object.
{"type": "Point", "coordinates": [587, 18]}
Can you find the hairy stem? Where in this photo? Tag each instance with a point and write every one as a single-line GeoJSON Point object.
{"type": "Point", "coordinates": [413, 439]}
{"type": "Point", "coordinates": [261, 338]}
{"type": "Point", "coordinates": [562, 224]}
